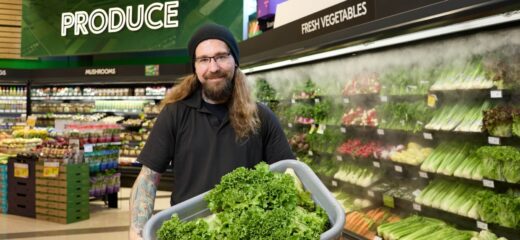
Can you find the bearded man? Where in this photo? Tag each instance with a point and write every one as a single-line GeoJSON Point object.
{"type": "Point", "coordinates": [209, 125]}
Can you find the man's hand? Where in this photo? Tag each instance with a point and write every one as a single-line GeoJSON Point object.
{"type": "Point", "coordinates": [142, 201]}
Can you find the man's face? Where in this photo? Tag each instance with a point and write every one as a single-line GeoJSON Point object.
{"type": "Point", "coordinates": [215, 66]}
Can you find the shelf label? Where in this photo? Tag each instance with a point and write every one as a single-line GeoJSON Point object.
{"type": "Point", "coordinates": [495, 94]}
{"type": "Point", "coordinates": [376, 164]}
{"type": "Point", "coordinates": [371, 193]}
{"type": "Point", "coordinates": [417, 207]}
{"type": "Point", "coordinates": [417, 192]}
{"type": "Point", "coordinates": [339, 158]}
{"type": "Point", "coordinates": [432, 100]}
{"type": "Point", "coordinates": [21, 170]}
{"type": "Point", "coordinates": [321, 128]}
{"type": "Point", "coordinates": [317, 100]}
{"type": "Point", "coordinates": [423, 174]}
{"type": "Point", "coordinates": [290, 125]}
{"type": "Point", "coordinates": [482, 225]}
{"type": "Point", "coordinates": [384, 98]}
{"type": "Point", "coordinates": [88, 148]}
{"type": "Point", "coordinates": [310, 153]}
{"type": "Point", "coordinates": [494, 140]}
{"type": "Point", "coordinates": [346, 100]}
{"type": "Point", "coordinates": [334, 183]}
{"type": "Point", "coordinates": [398, 168]}
{"type": "Point", "coordinates": [293, 101]}
{"type": "Point", "coordinates": [428, 136]}
{"type": "Point", "coordinates": [488, 183]}
{"type": "Point", "coordinates": [377, 238]}
{"type": "Point", "coordinates": [343, 130]}
{"type": "Point", "coordinates": [380, 132]}
{"type": "Point", "coordinates": [388, 201]}
{"type": "Point", "coordinates": [51, 169]}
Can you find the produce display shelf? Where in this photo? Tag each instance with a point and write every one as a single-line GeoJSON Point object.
{"type": "Point", "coordinates": [405, 170]}
{"type": "Point", "coordinates": [348, 235]}
{"type": "Point", "coordinates": [477, 94]}
{"type": "Point", "coordinates": [461, 222]}
{"type": "Point", "coordinates": [93, 98]}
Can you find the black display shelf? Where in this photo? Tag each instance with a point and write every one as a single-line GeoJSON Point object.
{"type": "Point", "coordinates": [383, 98]}
{"type": "Point", "coordinates": [348, 235]}
{"type": "Point", "coordinates": [366, 100]}
{"type": "Point", "coordinates": [496, 95]}
{"type": "Point", "coordinates": [462, 222]}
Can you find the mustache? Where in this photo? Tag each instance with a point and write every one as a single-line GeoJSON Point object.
{"type": "Point", "coordinates": [215, 75]}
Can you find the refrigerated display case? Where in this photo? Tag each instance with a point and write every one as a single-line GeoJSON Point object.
{"type": "Point", "coordinates": [424, 128]}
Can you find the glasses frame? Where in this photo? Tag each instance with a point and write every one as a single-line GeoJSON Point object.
{"type": "Point", "coordinates": [219, 59]}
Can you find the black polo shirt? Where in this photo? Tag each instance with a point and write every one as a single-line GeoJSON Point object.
{"type": "Point", "coordinates": [202, 149]}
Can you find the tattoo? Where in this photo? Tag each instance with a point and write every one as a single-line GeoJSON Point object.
{"type": "Point", "coordinates": [142, 198]}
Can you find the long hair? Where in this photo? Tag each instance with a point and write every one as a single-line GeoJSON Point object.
{"type": "Point", "coordinates": [243, 111]}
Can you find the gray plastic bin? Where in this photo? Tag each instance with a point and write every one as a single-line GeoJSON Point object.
{"type": "Point", "coordinates": [196, 207]}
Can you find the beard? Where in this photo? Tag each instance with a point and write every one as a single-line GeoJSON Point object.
{"type": "Point", "coordinates": [219, 91]}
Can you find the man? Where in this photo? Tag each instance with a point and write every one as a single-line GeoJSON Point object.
{"type": "Point", "coordinates": [209, 125]}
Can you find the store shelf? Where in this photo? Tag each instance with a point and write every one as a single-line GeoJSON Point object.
{"type": "Point", "coordinates": [119, 112]}
{"type": "Point", "coordinates": [461, 222]}
{"type": "Point", "coordinates": [94, 98]}
{"type": "Point", "coordinates": [348, 235]}
{"type": "Point", "coordinates": [23, 98]}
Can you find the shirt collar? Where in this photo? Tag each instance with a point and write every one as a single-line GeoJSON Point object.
{"type": "Point", "coordinates": [195, 99]}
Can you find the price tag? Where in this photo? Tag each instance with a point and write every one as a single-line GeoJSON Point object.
{"type": "Point", "coordinates": [380, 132]}
{"type": "Point", "coordinates": [398, 168]}
{"type": "Point", "coordinates": [428, 136]}
{"type": "Point", "coordinates": [371, 193]}
{"type": "Point", "coordinates": [343, 130]}
{"type": "Point", "coordinates": [310, 153]}
{"type": "Point", "coordinates": [377, 238]}
{"type": "Point", "coordinates": [88, 147]}
{"type": "Point", "coordinates": [417, 207]}
{"type": "Point", "coordinates": [334, 183]}
{"type": "Point", "coordinates": [495, 94]}
{"type": "Point", "coordinates": [388, 201]}
{"type": "Point", "coordinates": [417, 192]}
{"type": "Point", "coordinates": [317, 100]}
{"type": "Point", "coordinates": [289, 125]}
{"type": "Point", "coordinates": [376, 164]}
{"type": "Point", "coordinates": [51, 169]}
{"type": "Point", "coordinates": [346, 100]}
{"type": "Point", "coordinates": [423, 174]}
{"type": "Point", "coordinates": [432, 100]}
{"type": "Point", "coordinates": [321, 128]}
{"type": "Point", "coordinates": [384, 98]}
{"type": "Point", "coordinates": [482, 225]}
{"type": "Point", "coordinates": [488, 183]}
{"type": "Point", "coordinates": [494, 140]}
{"type": "Point", "coordinates": [21, 170]}
{"type": "Point", "coordinates": [339, 158]}
{"type": "Point", "coordinates": [293, 101]}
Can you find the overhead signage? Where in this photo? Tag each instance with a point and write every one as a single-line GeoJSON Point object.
{"type": "Point", "coordinates": [100, 71]}
{"type": "Point", "coordinates": [343, 15]}
{"type": "Point", "coordinates": [115, 19]}
{"type": "Point", "coordinates": [65, 28]}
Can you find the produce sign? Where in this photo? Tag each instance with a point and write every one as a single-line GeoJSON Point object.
{"type": "Point", "coordinates": [54, 28]}
{"type": "Point", "coordinates": [253, 204]}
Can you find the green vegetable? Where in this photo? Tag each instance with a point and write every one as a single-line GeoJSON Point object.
{"type": "Point", "coordinates": [254, 204]}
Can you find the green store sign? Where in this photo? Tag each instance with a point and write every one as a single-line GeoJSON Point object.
{"type": "Point", "coordinates": [71, 27]}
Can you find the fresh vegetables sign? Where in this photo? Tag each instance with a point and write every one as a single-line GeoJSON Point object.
{"type": "Point", "coordinates": [53, 28]}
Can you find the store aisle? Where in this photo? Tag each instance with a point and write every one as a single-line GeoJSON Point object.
{"type": "Point", "coordinates": [104, 223]}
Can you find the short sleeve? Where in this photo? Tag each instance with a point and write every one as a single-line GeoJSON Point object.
{"type": "Point", "coordinates": [276, 147]}
{"type": "Point", "coordinates": [159, 149]}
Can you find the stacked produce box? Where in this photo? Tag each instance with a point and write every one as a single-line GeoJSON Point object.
{"type": "Point", "coordinates": [62, 192]}
{"type": "Point", "coordinates": [21, 185]}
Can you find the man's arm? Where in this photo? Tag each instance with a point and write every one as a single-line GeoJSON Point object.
{"type": "Point", "coordinates": [142, 199]}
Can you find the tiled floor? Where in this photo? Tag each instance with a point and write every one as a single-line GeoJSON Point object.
{"type": "Point", "coordinates": [104, 223]}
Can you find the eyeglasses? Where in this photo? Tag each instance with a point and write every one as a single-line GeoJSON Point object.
{"type": "Point", "coordinates": [219, 59]}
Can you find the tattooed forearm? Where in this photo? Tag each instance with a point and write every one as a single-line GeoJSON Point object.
{"type": "Point", "coordinates": [142, 199]}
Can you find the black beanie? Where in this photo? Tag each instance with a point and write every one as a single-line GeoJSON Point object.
{"type": "Point", "coordinates": [213, 31]}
